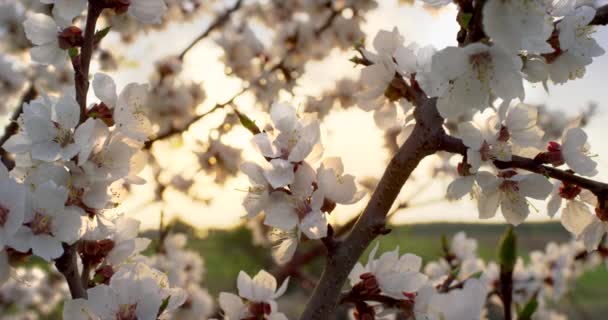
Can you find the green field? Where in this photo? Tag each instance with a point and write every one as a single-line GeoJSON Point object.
{"type": "Point", "coordinates": [226, 253]}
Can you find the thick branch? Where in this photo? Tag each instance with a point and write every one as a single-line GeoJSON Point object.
{"type": "Point", "coordinates": [601, 16]}
{"type": "Point", "coordinates": [455, 145]}
{"type": "Point", "coordinates": [218, 22]}
{"type": "Point", "coordinates": [423, 141]}
{"type": "Point", "coordinates": [68, 266]}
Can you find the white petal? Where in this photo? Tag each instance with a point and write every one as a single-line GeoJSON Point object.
{"type": "Point", "coordinates": [515, 209]}
{"type": "Point", "coordinates": [592, 234]}
{"type": "Point", "coordinates": [314, 225]}
{"type": "Point", "coordinates": [460, 187]}
{"type": "Point", "coordinates": [281, 215]}
{"type": "Point", "coordinates": [66, 112]}
{"type": "Point", "coordinates": [148, 11]}
{"type": "Point", "coordinates": [46, 247]}
{"type": "Point", "coordinates": [535, 186]}
{"type": "Point", "coordinates": [105, 89]}
{"type": "Point", "coordinates": [280, 174]}
{"type": "Point", "coordinates": [40, 29]}
{"type": "Point", "coordinates": [283, 116]}
{"type": "Point", "coordinates": [576, 216]}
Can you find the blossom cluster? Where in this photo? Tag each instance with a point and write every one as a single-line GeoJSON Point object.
{"type": "Point", "coordinates": [295, 196]}
{"type": "Point", "coordinates": [479, 87]}
{"type": "Point", "coordinates": [71, 162]}
{"type": "Point", "coordinates": [460, 285]}
{"type": "Point", "coordinates": [457, 286]}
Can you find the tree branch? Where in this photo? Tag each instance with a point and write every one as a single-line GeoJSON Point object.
{"type": "Point", "coordinates": [81, 69]}
{"type": "Point", "coordinates": [68, 266]}
{"type": "Point", "coordinates": [600, 189]}
{"type": "Point", "coordinates": [423, 141]}
{"type": "Point", "coordinates": [601, 16]}
{"type": "Point", "coordinates": [218, 22]}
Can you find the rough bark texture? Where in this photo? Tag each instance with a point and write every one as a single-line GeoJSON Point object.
{"type": "Point", "coordinates": [424, 140]}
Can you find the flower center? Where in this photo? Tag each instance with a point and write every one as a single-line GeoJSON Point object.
{"type": "Point", "coordinates": [127, 312]}
{"type": "Point", "coordinates": [259, 310]}
{"type": "Point", "coordinates": [480, 63]}
{"type": "Point", "coordinates": [303, 208]}
{"type": "Point", "coordinates": [510, 188]}
{"type": "Point", "coordinates": [569, 191]}
{"type": "Point", "coordinates": [41, 224]}
{"type": "Point", "coordinates": [3, 215]}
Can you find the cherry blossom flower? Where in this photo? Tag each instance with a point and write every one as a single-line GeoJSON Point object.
{"type": "Point", "coordinates": [480, 142]}
{"type": "Point", "coordinates": [337, 186]}
{"type": "Point", "coordinates": [518, 25]}
{"type": "Point", "coordinates": [258, 194]}
{"type": "Point", "coordinates": [297, 140]}
{"type": "Point", "coordinates": [394, 275]}
{"type": "Point", "coordinates": [259, 294]}
{"type": "Point", "coordinates": [134, 292]}
{"type": "Point", "coordinates": [44, 33]}
{"type": "Point", "coordinates": [465, 303]}
{"type": "Point", "coordinates": [48, 222]}
{"type": "Point", "coordinates": [464, 78]}
{"type": "Point", "coordinates": [12, 206]}
{"type": "Point", "coordinates": [575, 151]}
{"type": "Point", "coordinates": [575, 33]}
{"type": "Point", "coordinates": [377, 78]}
{"type": "Point", "coordinates": [509, 190]}
{"type": "Point", "coordinates": [576, 215]}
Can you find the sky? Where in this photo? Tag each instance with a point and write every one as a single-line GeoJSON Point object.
{"type": "Point", "coordinates": [350, 134]}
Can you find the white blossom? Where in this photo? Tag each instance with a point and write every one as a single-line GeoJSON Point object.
{"type": "Point", "coordinates": [43, 32]}
{"type": "Point", "coordinates": [134, 292]}
{"type": "Point", "coordinates": [509, 191]}
{"type": "Point", "coordinates": [260, 292]}
{"type": "Point", "coordinates": [394, 274]}
{"type": "Point", "coordinates": [464, 78]}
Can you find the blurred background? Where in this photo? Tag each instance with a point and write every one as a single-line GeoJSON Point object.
{"type": "Point", "coordinates": [194, 185]}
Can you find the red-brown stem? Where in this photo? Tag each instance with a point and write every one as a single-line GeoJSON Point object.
{"type": "Point", "coordinates": [81, 71]}
{"type": "Point", "coordinates": [67, 264]}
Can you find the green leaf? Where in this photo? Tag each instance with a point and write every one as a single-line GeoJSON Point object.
{"type": "Point", "coordinates": [528, 310]}
{"type": "Point", "coordinates": [507, 251]}
{"type": "Point", "coordinates": [73, 52]}
{"type": "Point", "coordinates": [164, 305]}
{"type": "Point", "coordinates": [464, 19]}
{"type": "Point", "coordinates": [248, 123]}
{"type": "Point", "coordinates": [99, 35]}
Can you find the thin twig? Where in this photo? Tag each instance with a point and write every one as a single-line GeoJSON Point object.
{"type": "Point", "coordinates": [217, 23]}
{"type": "Point", "coordinates": [600, 189]}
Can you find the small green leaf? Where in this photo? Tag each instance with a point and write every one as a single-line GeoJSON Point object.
{"type": "Point", "coordinates": [73, 52]}
{"type": "Point", "coordinates": [476, 275]}
{"type": "Point", "coordinates": [507, 251]}
{"type": "Point", "coordinates": [99, 35]}
{"type": "Point", "coordinates": [528, 310]}
{"type": "Point", "coordinates": [464, 19]}
{"type": "Point", "coordinates": [164, 305]}
{"type": "Point", "coordinates": [98, 278]}
{"type": "Point", "coordinates": [248, 123]}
